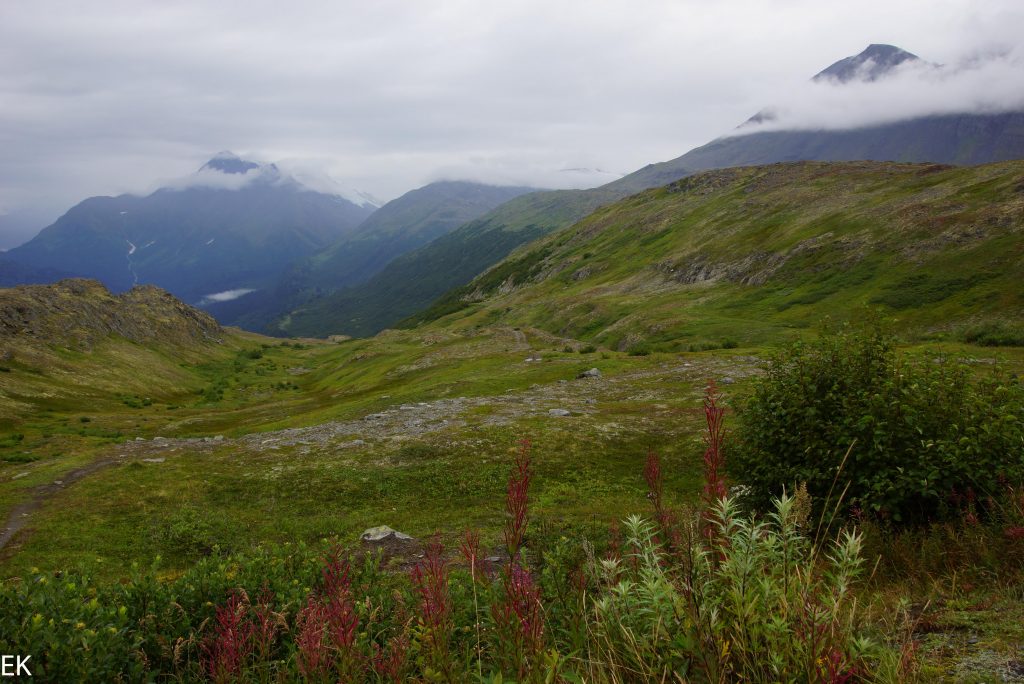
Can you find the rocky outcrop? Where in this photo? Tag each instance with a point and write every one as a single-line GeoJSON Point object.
{"type": "Point", "coordinates": [79, 313]}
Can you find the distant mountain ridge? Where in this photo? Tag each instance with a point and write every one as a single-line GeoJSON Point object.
{"type": "Point", "coordinates": [962, 139]}
{"type": "Point", "coordinates": [965, 139]}
{"type": "Point", "coordinates": [403, 224]}
{"type": "Point", "coordinates": [233, 226]}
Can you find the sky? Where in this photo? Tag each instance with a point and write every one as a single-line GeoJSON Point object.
{"type": "Point", "coordinates": [106, 97]}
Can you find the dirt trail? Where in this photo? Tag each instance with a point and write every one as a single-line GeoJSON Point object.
{"type": "Point", "coordinates": [22, 513]}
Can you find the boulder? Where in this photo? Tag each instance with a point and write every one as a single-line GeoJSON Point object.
{"type": "Point", "coordinates": [558, 412]}
{"type": "Point", "coordinates": [383, 533]}
{"type": "Point", "coordinates": [592, 373]}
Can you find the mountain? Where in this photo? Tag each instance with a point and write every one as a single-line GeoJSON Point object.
{"type": "Point", "coordinates": [443, 268]}
{"type": "Point", "coordinates": [14, 273]}
{"type": "Point", "coordinates": [412, 281]}
{"type": "Point", "coordinates": [403, 224]}
{"type": "Point", "coordinates": [412, 220]}
{"type": "Point", "coordinates": [876, 61]}
{"type": "Point", "coordinates": [231, 227]}
{"type": "Point", "coordinates": [962, 139]}
{"type": "Point", "coordinates": [754, 254]}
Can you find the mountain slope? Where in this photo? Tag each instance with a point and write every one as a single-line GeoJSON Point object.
{"type": "Point", "coordinates": [757, 253]}
{"type": "Point", "coordinates": [412, 220]}
{"type": "Point", "coordinates": [235, 225]}
{"type": "Point", "coordinates": [401, 225]}
{"type": "Point", "coordinates": [963, 139]}
{"type": "Point", "coordinates": [412, 281]}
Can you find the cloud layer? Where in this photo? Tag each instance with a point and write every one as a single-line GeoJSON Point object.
{"type": "Point", "coordinates": [990, 84]}
{"type": "Point", "coordinates": [385, 96]}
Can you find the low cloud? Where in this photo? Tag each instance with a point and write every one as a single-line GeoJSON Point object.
{"type": "Point", "coordinates": [212, 179]}
{"type": "Point", "coordinates": [980, 83]}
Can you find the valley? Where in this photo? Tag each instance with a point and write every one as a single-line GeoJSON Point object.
{"type": "Point", "coordinates": [754, 413]}
{"type": "Point", "coordinates": [139, 433]}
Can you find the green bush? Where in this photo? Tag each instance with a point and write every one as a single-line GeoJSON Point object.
{"type": "Point", "coordinates": [899, 436]}
{"type": "Point", "coordinates": [995, 334]}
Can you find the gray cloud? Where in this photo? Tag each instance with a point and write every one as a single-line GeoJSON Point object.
{"type": "Point", "coordinates": [103, 98]}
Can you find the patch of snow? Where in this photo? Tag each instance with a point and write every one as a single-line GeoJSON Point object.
{"type": "Point", "coordinates": [210, 241]}
{"type": "Point", "coordinates": [131, 247]}
{"type": "Point", "coordinates": [225, 296]}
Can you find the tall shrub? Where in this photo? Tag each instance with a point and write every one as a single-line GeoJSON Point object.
{"type": "Point", "coordinates": [898, 436]}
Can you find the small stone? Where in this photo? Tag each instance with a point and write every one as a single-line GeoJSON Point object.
{"type": "Point", "coordinates": [218, 438]}
{"type": "Point", "coordinates": [407, 407]}
{"type": "Point", "coordinates": [153, 460]}
{"type": "Point", "coordinates": [493, 559]}
{"type": "Point", "coordinates": [592, 373]}
{"type": "Point", "coordinates": [559, 412]}
{"type": "Point", "coordinates": [727, 380]}
{"type": "Point", "coordinates": [159, 439]}
{"type": "Point", "coordinates": [19, 475]}
{"type": "Point", "coordinates": [381, 533]}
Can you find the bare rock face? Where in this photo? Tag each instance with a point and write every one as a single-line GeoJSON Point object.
{"type": "Point", "coordinates": [80, 312]}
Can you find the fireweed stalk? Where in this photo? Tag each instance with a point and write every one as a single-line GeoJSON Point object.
{"type": "Point", "coordinates": [430, 584]}
{"type": "Point", "coordinates": [470, 548]}
{"type": "Point", "coordinates": [518, 615]}
{"type": "Point", "coordinates": [517, 500]}
{"type": "Point", "coordinates": [227, 650]}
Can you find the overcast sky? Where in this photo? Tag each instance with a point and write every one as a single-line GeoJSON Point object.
{"type": "Point", "coordinates": [107, 97]}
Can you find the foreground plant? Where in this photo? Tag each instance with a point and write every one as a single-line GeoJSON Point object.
{"type": "Point", "coordinates": [763, 605]}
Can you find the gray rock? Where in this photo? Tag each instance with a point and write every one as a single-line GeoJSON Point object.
{"type": "Point", "coordinates": [382, 533]}
{"type": "Point", "coordinates": [19, 475]}
{"type": "Point", "coordinates": [218, 438]}
{"type": "Point", "coordinates": [592, 373]}
{"type": "Point", "coordinates": [153, 460]}
{"type": "Point", "coordinates": [559, 412]}
{"type": "Point", "coordinates": [727, 380]}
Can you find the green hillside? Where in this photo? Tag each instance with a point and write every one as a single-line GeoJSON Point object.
{"type": "Point", "coordinates": [753, 255]}
{"type": "Point", "coordinates": [412, 281]}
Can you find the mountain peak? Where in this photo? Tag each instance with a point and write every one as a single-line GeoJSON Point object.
{"type": "Point", "coordinates": [874, 62]}
{"type": "Point", "coordinates": [229, 162]}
